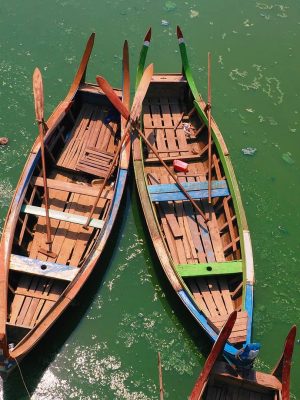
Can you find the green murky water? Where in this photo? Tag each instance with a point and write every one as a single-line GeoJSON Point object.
{"type": "Point", "coordinates": [106, 346]}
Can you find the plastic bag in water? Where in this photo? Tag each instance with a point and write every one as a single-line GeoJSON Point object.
{"type": "Point", "coordinates": [249, 151]}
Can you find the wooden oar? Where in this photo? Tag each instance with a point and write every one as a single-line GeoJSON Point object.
{"type": "Point", "coordinates": [108, 90]}
{"type": "Point", "coordinates": [282, 370]}
{"type": "Point", "coordinates": [38, 93]}
{"type": "Point", "coordinates": [160, 378]}
{"type": "Point", "coordinates": [212, 358]}
{"type": "Point", "coordinates": [209, 126]}
{"type": "Point", "coordinates": [126, 99]}
{"type": "Point", "coordinates": [80, 75]}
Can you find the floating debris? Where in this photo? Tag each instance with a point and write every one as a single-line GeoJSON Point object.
{"type": "Point", "coordinates": [3, 140]}
{"type": "Point", "coordinates": [287, 157]}
{"type": "Point", "coordinates": [164, 22]}
{"type": "Point", "coordinates": [170, 6]}
{"type": "Point", "coordinates": [194, 13]}
{"type": "Point", "coordinates": [249, 151]}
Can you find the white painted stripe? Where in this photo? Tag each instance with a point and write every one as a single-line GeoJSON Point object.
{"type": "Point", "coordinates": [146, 43]}
{"type": "Point", "coordinates": [62, 216]}
{"type": "Point", "coordinates": [180, 40]}
{"type": "Point", "coordinates": [248, 257]}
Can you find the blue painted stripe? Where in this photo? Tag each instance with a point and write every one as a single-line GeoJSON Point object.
{"type": "Point", "coordinates": [249, 309]}
{"type": "Point", "coordinates": [195, 194]}
{"type": "Point", "coordinates": [229, 350]}
{"type": "Point", "coordinates": [172, 187]}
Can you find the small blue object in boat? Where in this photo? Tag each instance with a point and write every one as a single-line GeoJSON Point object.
{"type": "Point", "coordinates": [247, 354]}
{"type": "Point", "coordinates": [113, 115]}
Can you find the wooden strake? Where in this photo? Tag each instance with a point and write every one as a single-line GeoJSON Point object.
{"type": "Point", "coordinates": [205, 251]}
{"type": "Point", "coordinates": [80, 145]}
{"type": "Point", "coordinates": [219, 380]}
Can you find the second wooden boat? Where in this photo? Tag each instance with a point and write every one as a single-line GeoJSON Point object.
{"type": "Point", "coordinates": [63, 210]}
{"type": "Point", "coordinates": [219, 380]}
{"type": "Point", "coordinates": [195, 217]}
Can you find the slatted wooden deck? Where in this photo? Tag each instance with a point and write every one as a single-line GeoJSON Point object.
{"type": "Point", "coordinates": [93, 133]}
{"type": "Point", "coordinates": [190, 239]}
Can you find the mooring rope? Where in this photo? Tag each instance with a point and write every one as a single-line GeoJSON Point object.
{"type": "Point", "coordinates": [22, 377]}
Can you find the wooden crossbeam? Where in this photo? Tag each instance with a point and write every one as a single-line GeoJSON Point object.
{"type": "Point", "coordinates": [42, 268]}
{"type": "Point", "coordinates": [197, 190]}
{"type": "Point", "coordinates": [62, 216]}
{"type": "Point", "coordinates": [207, 269]}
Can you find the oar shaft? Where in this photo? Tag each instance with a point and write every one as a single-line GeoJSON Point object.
{"type": "Point", "coordinates": [161, 386]}
{"type": "Point", "coordinates": [46, 193]}
{"type": "Point", "coordinates": [171, 174]}
{"type": "Point", "coordinates": [112, 166]}
{"type": "Point", "coordinates": [209, 128]}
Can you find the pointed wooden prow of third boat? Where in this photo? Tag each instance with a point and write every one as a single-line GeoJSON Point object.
{"type": "Point", "coordinates": [211, 359]}
{"type": "Point", "coordinates": [282, 370]}
{"type": "Point", "coordinates": [38, 93]}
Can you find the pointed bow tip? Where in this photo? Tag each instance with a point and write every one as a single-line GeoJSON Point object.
{"type": "Point", "coordinates": [179, 32]}
{"type": "Point", "coordinates": [148, 35]}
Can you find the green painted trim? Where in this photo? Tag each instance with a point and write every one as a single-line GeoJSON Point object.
{"type": "Point", "coordinates": [225, 160]}
{"type": "Point", "coordinates": [207, 269]}
{"type": "Point", "coordinates": [141, 65]}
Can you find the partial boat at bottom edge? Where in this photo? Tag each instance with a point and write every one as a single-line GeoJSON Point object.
{"type": "Point", "coordinates": [219, 380]}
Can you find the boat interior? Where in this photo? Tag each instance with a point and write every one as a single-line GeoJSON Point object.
{"type": "Point", "coordinates": [78, 155]}
{"type": "Point", "coordinates": [206, 254]}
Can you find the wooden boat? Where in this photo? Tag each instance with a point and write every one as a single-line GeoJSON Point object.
{"type": "Point", "coordinates": [195, 218]}
{"type": "Point", "coordinates": [86, 173]}
{"type": "Point", "coordinates": [220, 380]}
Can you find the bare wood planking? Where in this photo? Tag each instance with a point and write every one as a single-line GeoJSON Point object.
{"type": "Point", "coordinates": [198, 296]}
{"type": "Point", "coordinates": [179, 132]}
{"type": "Point", "coordinates": [226, 295]}
{"type": "Point", "coordinates": [56, 200]}
{"type": "Point", "coordinates": [212, 225]}
{"type": "Point", "coordinates": [170, 133]}
{"type": "Point", "coordinates": [207, 297]}
{"type": "Point", "coordinates": [217, 295]}
{"type": "Point", "coordinates": [17, 302]}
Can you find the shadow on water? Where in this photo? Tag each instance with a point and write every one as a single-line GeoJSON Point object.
{"type": "Point", "coordinates": [38, 360]}
{"type": "Point", "coordinates": [171, 303]}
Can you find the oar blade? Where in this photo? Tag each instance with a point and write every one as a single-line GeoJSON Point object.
{"type": "Point", "coordinates": [141, 93]}
{"type": "Point", "coordinates": [126, 76]}
{"type": "Point", "coordinates": [38, 93]}
{"type": "Point", "coordinates": [110, 93]}
{"type": "Point", "coordinates": [80, 75]}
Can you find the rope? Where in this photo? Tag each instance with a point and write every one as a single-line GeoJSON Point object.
{"type": "Point", "coordinates": [22, 378]}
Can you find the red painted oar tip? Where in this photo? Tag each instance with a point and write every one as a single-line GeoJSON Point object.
{"type": "Point", "coordinates": [179, 33]}
{"type": "Point", "coordinates": [148, 36]}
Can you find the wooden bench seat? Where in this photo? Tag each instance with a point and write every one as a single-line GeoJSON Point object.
{"type": "Point", "coordinates": [212, 268]}
{"type": "Point", "coordinates": [239, 331]}
{"type": "Point", "coordinates": [71, 187]}
{"type": "Point", "coordinates": [43, 268]}
{"type": "Point", "coordinates": [197, 190]}
{"type": "Point", "coordinates": [61, 216]}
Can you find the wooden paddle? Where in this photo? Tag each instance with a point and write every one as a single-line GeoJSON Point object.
{"type": "Point", "coordinates": [136, 110]}
{"type": "Point", "coordinates": [81, 72]}
{"type": "Point", "coordinates": [160, 378]}
{"type": "Point", "coordinates": [209, 125]}
{"type": "Point", "coordinates": [212, 358]}
{"type": "Point", "coordinates": [108, 90]}
{"type": "Point", "coordinates": [38, 93]}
